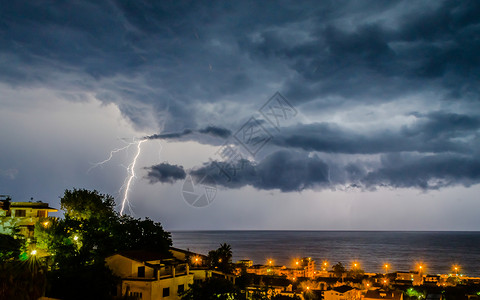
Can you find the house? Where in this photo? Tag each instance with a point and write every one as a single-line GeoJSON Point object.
{"type": "Point", "coordinates": [150, 275]}
{"type": "Point", "coordinates": [382, 294]}
{"type": "Point", "coordinates": [273, 285]}
{"type": "Point", "coordinates": [22, 215]}
{"type": "Point", "coordinates": [343, 292]}
{"type": "Point", "coordinates": [431, 280]}
{"type": "Point", "coordinates": [194, 259]}
{"type": "Point", "coordinates": [413, 276]}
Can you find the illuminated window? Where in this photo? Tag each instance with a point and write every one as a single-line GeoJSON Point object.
{"type": "Point", "coordinates": [20, 213]}
{"type": "Point", "coordinates": [42, 213]}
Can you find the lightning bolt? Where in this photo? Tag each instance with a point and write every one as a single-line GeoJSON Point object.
{"type": "Point", "coordinates": [130, 170]}
{"type": "Point", "coordinates": [131, 175]}
{"type": "Point", "coordinates": [98, 164]}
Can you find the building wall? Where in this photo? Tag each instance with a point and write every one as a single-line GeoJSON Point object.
{"type": "Point", "coordinates": [125, 267]}
{"type": "Point", "coordinates": [154, 289]}
{"type": "Point", "coordinates": [334, 295]}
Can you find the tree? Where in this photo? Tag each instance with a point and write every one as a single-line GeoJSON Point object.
{"type": "Point", "coordinates": [338, 269]}
{"type": "Point", "coordinates": [90, 231]}
{"type": "Point", "coordinates": [211, 288]}
{"type": "Point", "coordinates": [221, 259]}
{"type": "Point", "coordinates": [10, 248]}
{"type": "Point", "coordinates": [134, 234]}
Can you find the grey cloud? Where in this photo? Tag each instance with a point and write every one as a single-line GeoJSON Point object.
{"type": "Point", "coordinates": [283, 170]}
{"type": "Point", "coordinates": [173, 57]}
{"type": "Point", "coordinates": [434, 132]}
{"type": "Point", "coordinates": [190, 134]}
{"type": "Point", "coordinates": [216, 131]}
{"type": "Point", "coordinates": [424, 172]}
{"type": "Point", "coordinates": [165, 173]}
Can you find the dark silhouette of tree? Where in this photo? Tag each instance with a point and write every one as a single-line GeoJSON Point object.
{"type": "Point", "coordinates": [212, 288]}
{"type": "Point", "coordinates": [221, 259]}
{"type": "Point", "coordinates": [338, 269]}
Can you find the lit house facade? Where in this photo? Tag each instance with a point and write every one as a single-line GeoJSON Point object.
{"type": "Point", "coordinates": [22, 215]}
{"type": "Point", "coordinates": [343, 292]}
{"type": "Point", "coordinates": [148, 275]}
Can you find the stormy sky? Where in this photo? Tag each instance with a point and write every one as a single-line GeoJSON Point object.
{"type": "Point", "coordinates": [348, 115]}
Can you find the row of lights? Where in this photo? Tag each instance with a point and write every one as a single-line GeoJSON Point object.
{"type": "Point", "coordinates": [356, 265]}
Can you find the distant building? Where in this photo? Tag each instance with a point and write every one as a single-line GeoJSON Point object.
{"type": "Point", "coordinates": [413, 276]}
{"type": "Point", "coordinates": [431, 280]}
{"type": "Point", "coordinates": [22, 215]}
{"type": "Point", "coordinates": [192, 258]}
{"type": "Point", "coordinates": [245, 263]}
{"type": "Point", "coordinates": [381, 294]}
{"type": "Point", "coordinates": [343, 292]}
{"type": "Point", "coordinates": [149, 275]}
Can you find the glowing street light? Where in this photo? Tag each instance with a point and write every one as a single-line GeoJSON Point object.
{"type": "Point", "coordinates": [456, 268]}
{"type": "Point", "coordinates": [421, 267]}
{"type": "Point", "coordinates": [34, 252]}
{"type": "Point", "coordinates": [75, 237]}
{"type": "Point", "coordinates": [270, 262]}
{"type": "Point", "coordinates": [45, 224]}
{"type": "Point", "coordinates": [386, 266]}
{"type": "Point", "coordinates": [196, 260]}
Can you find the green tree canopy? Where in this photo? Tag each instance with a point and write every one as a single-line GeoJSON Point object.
{"type": "Point", "coordinates": [10, 248]}
{"type": "Point", "coordinates": [90, 231]}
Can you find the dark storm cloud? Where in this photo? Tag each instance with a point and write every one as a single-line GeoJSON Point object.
{"type": "Point", "coordinates": [434, 132]}
{"type": "Point", "coordinates": [189, 134]}
{"type": "Point", "coordinates": [283, 170]}
{"type": "Point", "coordinates": [165, 173]}
{"type": "Point", "coordinates": [297, 171]}
{"type": "Point", "coordinates": [423, 48]}
{"type": "Point", "coordinates": [216, 131]}
{"type": "Point", "coordinates": [191, 63]}
{"type": "Point", "coordinates": [176, 56]}
{"type": "Point", "coordinates": [425, 172]}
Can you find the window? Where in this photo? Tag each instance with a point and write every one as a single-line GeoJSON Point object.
{"type": "Point", "coordinates": [20, 213]}
{"type": "Point", "coordinates": [166, 292]}
{"type": "Point", "coordinates": [137, 295]}
{"type": "Point", "coordinates": [181, 288]}
{"type": "Point", "coordinates": [42, 213]}
{"type": "Point", "coordinates": [141, 271]}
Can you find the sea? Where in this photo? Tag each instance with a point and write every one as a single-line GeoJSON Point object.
{"type": "Point", "coordinates": [437, 252]}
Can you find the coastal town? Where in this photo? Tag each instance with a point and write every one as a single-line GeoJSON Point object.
{"type": "Point", "coordinates": [181, 274]}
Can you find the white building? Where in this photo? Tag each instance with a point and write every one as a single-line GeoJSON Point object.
{"type": "Point", "coordinates": [343, 292]}
{"type": "Point", "coordinates": [149, 275]}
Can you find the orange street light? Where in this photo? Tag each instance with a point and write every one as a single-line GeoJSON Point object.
{"type": "Point", "coordinates": [421, 267]}
{"type": "Point", "coordinates": [456, 268]}
{"type": "Point", "coordinates": [386, 268]}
